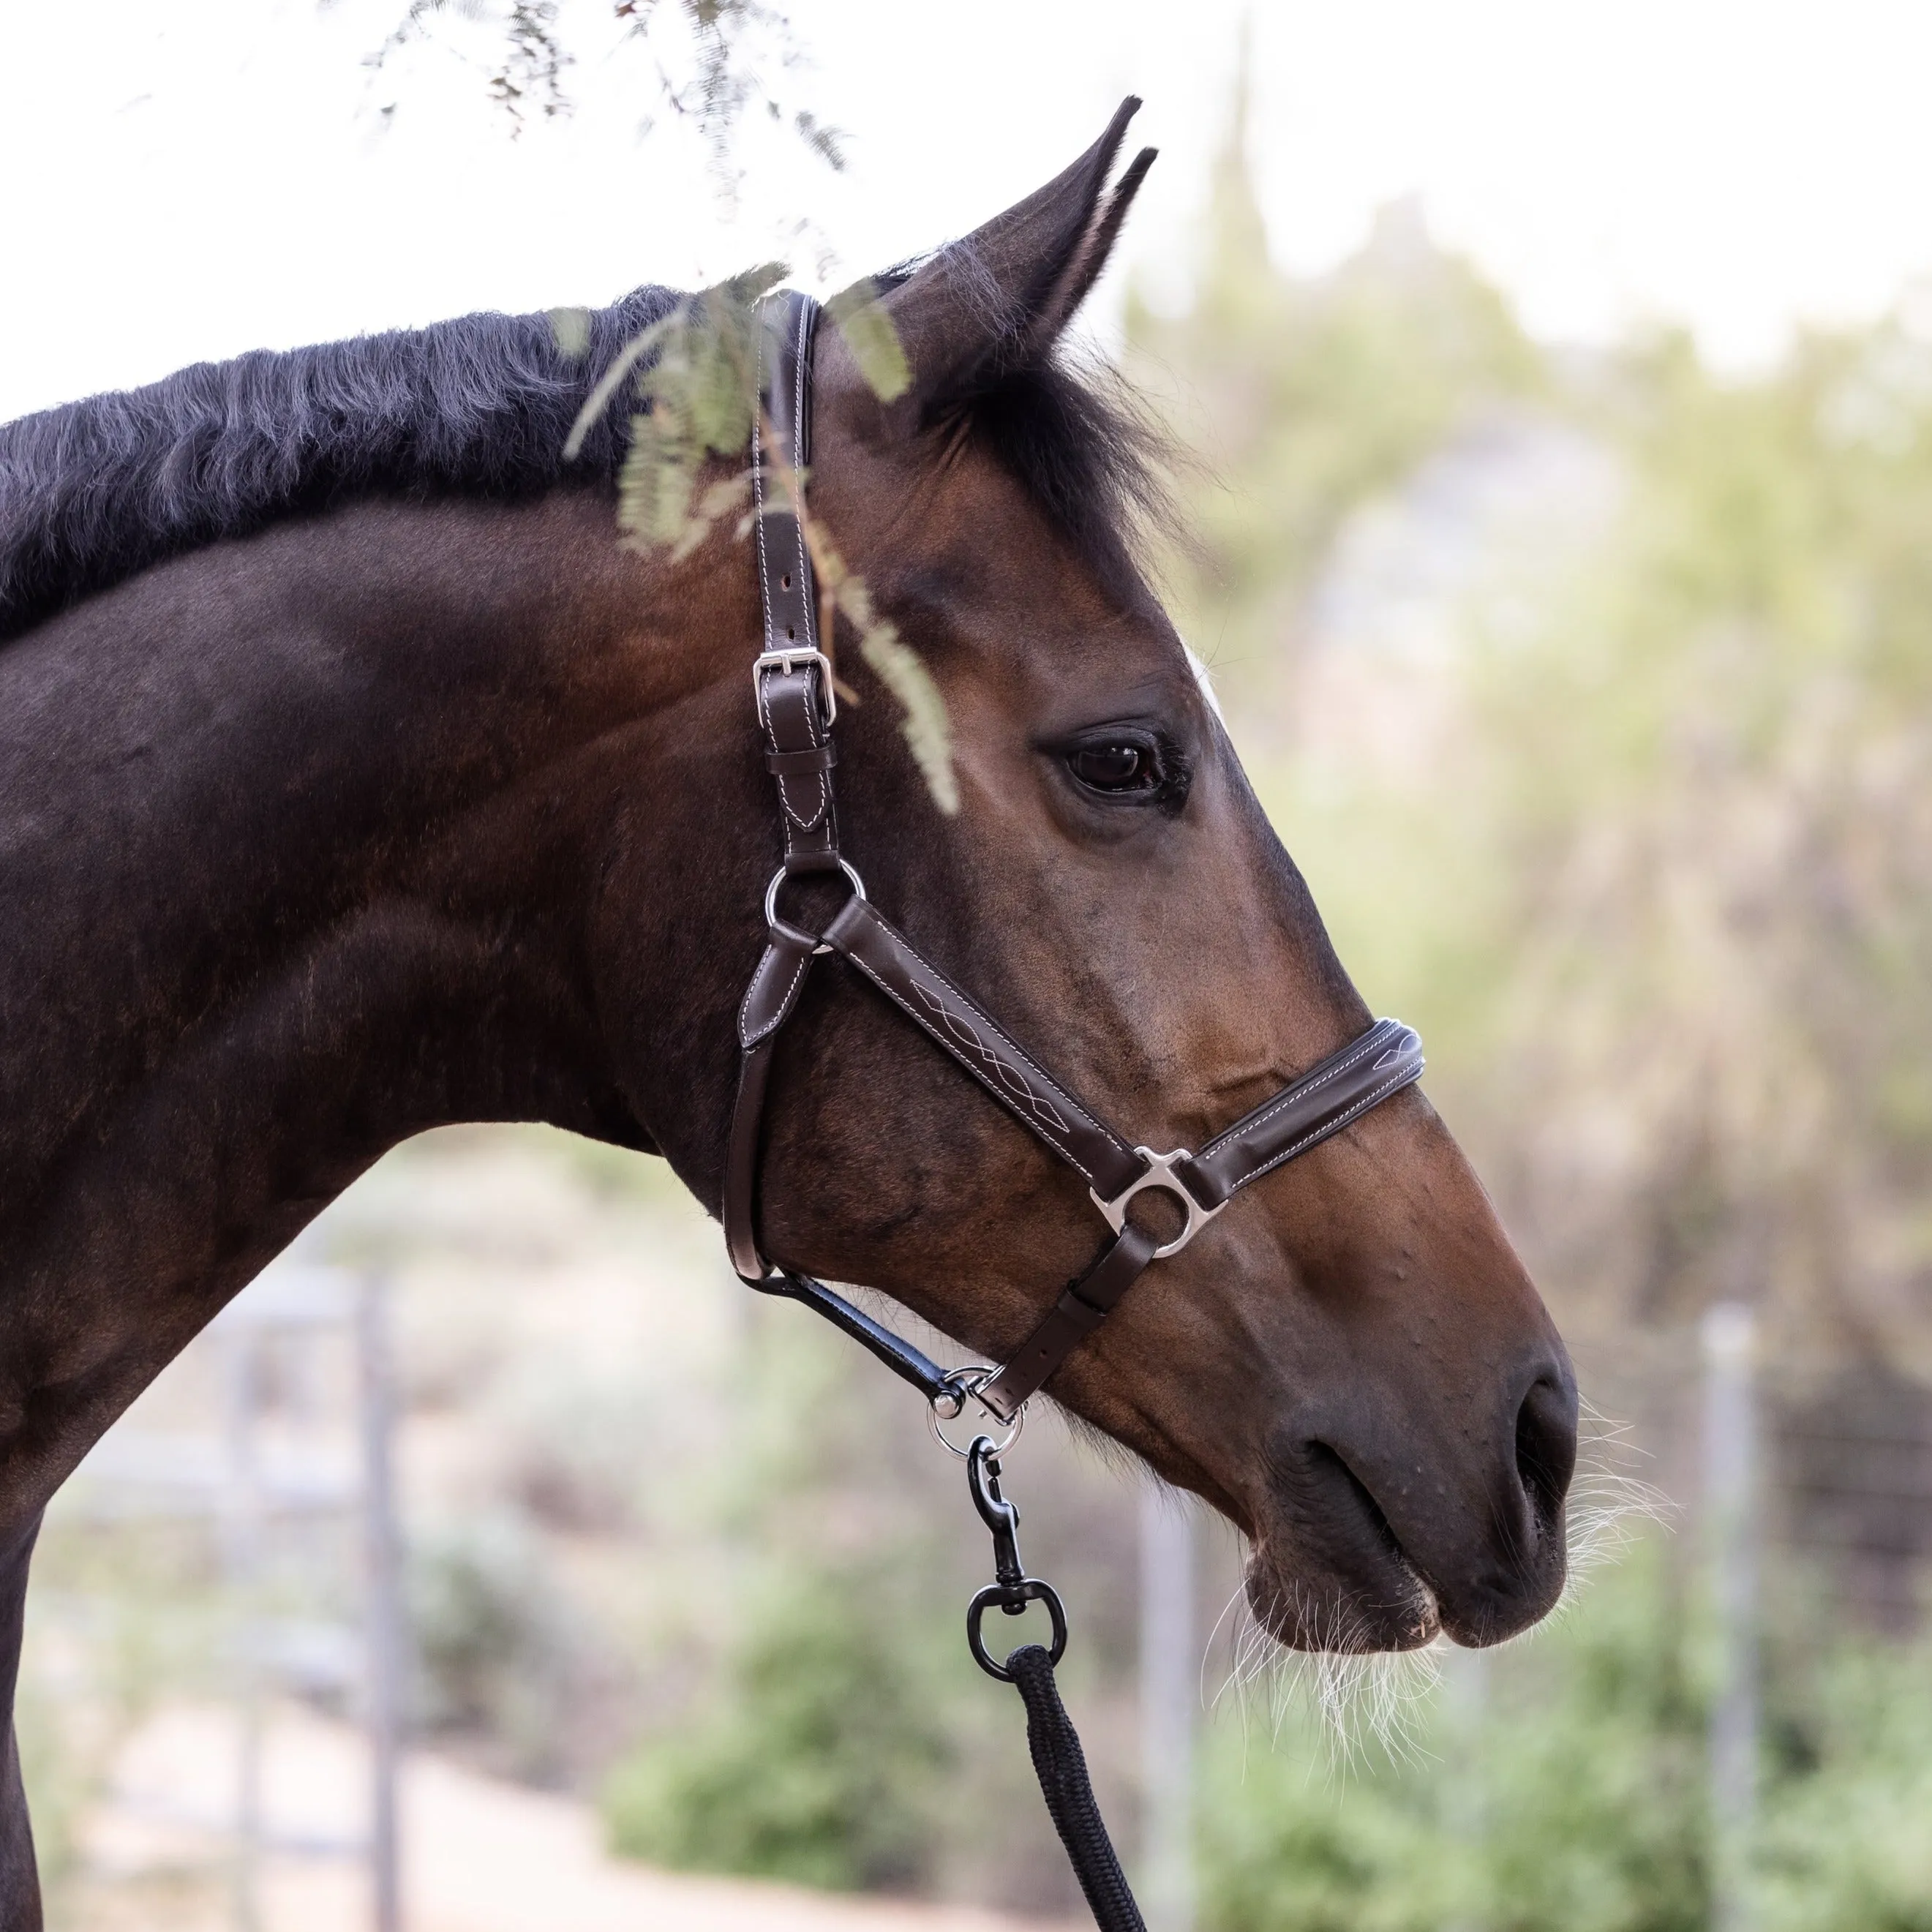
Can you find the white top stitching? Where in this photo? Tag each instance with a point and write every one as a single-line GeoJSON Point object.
{"type": "Point", "coordinates": [1067, 1153]}
{"type": "Point", "coordinates": [1369, 1100]}
{"type": "Point", "coordinates": [1296, 1094]}
{"type": "Point", "coordinates": [744, 1004]}
{"type": "Point", "coordinates": [797, 464]}
{"type": "Point", "coordinates": [1013, 1047]}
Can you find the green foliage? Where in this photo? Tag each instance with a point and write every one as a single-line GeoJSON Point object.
{"type": "Point", "coordinates": [869, 335]}
{"type": "Point", "coordinates": [1848, 1842]}
{"type": "Point", "coordinates": [495, 1651]}
{"type": "Point", "coordinates": [822, 1763]}
{"type": "Point", "coordinates": [1709, 794]}
{"type": "Point", "coordinates": [694, 373]}
{"type": "Point", "coordinates": [1568, 1802]}
{"type": "Point", "coordinates": [1309, 399]}
{"type": "Point", "coordinates": [571, 328]}
{"type": "Point", "coordinates": [1567, 1795]}
{"type": "Point", "coordinates": [1652, 868]}
{"type": "Point", "coordinates": [697, 379]}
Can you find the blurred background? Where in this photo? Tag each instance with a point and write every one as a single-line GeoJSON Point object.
{"type": "Point", "coordinates": [1561, 386]}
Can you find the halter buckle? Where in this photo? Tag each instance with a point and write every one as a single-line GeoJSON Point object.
{"type": "Point", "coordinates": [1160, 1173]}
{"type": "Point", "coordinates": [788, 659]}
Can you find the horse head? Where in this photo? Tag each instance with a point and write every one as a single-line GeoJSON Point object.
{"type": "Point", "coordinates": [1350, 1363]}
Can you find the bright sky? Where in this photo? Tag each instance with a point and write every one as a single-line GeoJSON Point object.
{"type": "Point", "coordinates": [190, 180]}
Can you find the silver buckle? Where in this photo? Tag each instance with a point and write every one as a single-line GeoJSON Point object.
{"type": "Point", "coordinates": [1160, 1174]}
{"type": "Point", "coordinates": [788, 660]}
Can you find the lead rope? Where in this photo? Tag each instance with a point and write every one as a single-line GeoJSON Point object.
{"type": "Point", "coordinates": [1061, 1768]}
{"type": "Point", "coordinates": [1058, 1761]}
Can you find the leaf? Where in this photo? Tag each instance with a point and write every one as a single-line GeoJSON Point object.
{"type": "Point", "coordinates": [722, 500]}
{"type": "Point", "coordinates": [570, 328]}
{"type": "Point", "coordinates": [926, 727]}
{"type": "Point", "coordinates": [626, 359]}
{"type": "Point", "coordinates": [746, 287]}
{"type": "Point", "coordinates": [694, 373]}
{"type": "Point", "coordinates": [654, 486]}
{"type": "Point", "coordinates": [824, 141]}
{"type": "Point", "coordinates": [875, 343]}
{"type": "Point", "coordinates": [928, 731]}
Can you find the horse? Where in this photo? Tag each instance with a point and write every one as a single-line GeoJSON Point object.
{"type": "Point", "coordinates": [354, 781]}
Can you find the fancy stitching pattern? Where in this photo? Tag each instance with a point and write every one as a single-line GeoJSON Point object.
{"type": "Point", "coordinates": [1010, 1077]}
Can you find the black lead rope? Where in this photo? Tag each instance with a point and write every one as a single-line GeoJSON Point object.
{"type": "Point", "coordinates": [1058, 1761]}
{"type": "Point", "coordinates": [1061, 1766]}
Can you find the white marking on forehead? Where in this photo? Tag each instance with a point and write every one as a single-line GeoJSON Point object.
{"type": "Point", "coordinates": [1203, 678]}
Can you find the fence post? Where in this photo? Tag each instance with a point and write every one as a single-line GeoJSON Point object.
{"type": "Point", "coordinates": [241, 1507]}
{"type": "Point", "coordinates": [1731, 1530]}
{"type": "Point", "coordinates": [1465, 1696]}
{"type": "Point", "coordinates": [1169, 1692]}
{"type": "Point", "coordinates": [384, 1601]}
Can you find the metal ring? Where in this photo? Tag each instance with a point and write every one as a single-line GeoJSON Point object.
{"type": "Point", "coordinates": [780, 928]}
{"type": "Point", "coordinates": [981, 1373]}
{"type": "Point", "coordinates": [1160, 1173]}
{"type": "Point", "coordinates": [1013, 1598]}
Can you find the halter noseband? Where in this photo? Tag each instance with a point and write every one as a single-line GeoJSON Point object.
{"type": "Point", "coordinates": [796, 707]}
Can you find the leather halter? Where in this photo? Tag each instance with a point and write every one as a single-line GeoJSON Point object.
{"type": "Point", "coordinates": [796, 707]}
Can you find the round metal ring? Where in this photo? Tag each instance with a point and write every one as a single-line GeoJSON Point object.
{"type": "Point", "coordinates": [781, 929]}
{"type": "Point", "coordinates": [1013, 1598]}
{"type": "Point", "coordinates": [1160, 1173]}
{"type": "Point", "coordinates": [980, 1372]}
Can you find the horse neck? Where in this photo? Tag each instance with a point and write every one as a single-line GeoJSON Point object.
{"type": "Point", "coordinates": [304, 837]}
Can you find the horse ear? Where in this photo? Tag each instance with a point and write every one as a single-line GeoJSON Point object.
{"type": "Point", "coordinates": [997, 301]}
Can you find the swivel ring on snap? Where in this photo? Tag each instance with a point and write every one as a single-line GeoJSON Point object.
{"type": "Point", "coordinates": [1013, 1599]}
{"type": "Point", "coordinates": [962, 1385]}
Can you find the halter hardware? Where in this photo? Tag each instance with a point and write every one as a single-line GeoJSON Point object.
{"type": "Point", "coordinates": [950, 1403]}
{"type": "Point", "coordinates": [1012, 1589]}
{"type": "Point", "coordinates": [789, 659]}
{"type": "Point", "coordinates": [1160, 1173]}
{"type": "Point", "coordinates": [783, 929]}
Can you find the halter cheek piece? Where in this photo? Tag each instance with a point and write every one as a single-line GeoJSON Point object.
{"type": "Point", "coordinates": [792, 682]}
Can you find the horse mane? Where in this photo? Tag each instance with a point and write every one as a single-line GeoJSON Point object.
{"type": "Point", "coordinates": [95, 492]}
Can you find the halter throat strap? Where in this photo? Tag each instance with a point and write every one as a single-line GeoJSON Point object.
{"type": "Point", "coordinates": [796, 707]}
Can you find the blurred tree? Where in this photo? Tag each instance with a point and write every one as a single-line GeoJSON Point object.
{"type": "Point", "coordinates": [1710, 785]}
{"type": "Point", "coordinates": [711, 60]}
{"type": "Point", "coordinates": [826, 1762]}
{"type": "Point", "coordinates": [1310, 397]}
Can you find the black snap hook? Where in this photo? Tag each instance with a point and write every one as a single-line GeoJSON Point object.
{"type": "Point", "coordinates": [1013, 1589]}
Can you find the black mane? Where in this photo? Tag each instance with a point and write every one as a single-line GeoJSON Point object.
{"type": "Point", "coordinates": [95, 492]}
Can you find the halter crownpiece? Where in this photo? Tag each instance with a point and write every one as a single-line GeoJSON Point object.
{"type": "Point", "coordinates": [796, 707]}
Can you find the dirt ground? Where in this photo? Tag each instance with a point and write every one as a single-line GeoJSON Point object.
{"type": "Point", "coordinates": [479, 1855]}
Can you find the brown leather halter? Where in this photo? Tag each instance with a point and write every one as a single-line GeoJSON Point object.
{"type": "Point", "coordinates": [796, 708]}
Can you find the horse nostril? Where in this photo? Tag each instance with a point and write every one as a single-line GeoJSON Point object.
{"type": "Point", "coordinates": [1546, 1446]}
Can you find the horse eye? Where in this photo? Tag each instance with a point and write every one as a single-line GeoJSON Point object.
{"type": "Point", "coordinates": [1112, 767]}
